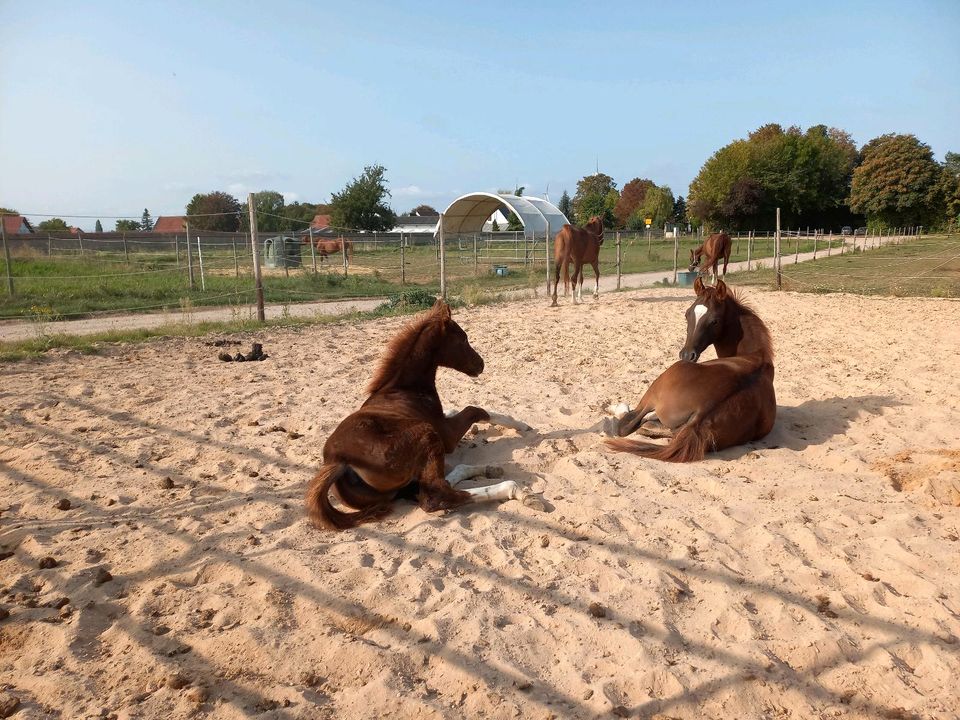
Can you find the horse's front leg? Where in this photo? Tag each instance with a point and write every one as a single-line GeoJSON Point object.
{"type": "Point", "coordinates": [455, 425]}
{"type": "Point", "coordinates": [498, 492]}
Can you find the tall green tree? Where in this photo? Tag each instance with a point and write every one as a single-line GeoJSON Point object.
{"type": "Point", "coordinates": [657, 205]}
{"type": "Point", "coordinates": [564, 205]}
{"type": "Point", "coordinates": [146, 222]}
{"type": "Point", "coordinates": [424, 211]}
{"type": "Point", "coordinates": [53, 225]}
{"type": "Point", "coordinates": [679, 211]}
{"type": "Point", "coordinates": [951, 188]}
{"type": "Point", "coordinates": [215, 211]}
{"type": "Point", "coordinates": [596, 195]}
{"type": "Point", "coordinates": [98, 227]}
{"type": "Point", "coordinates": [898, 183]}
{"type": "Point", "coordinates": [127, 226]}
{"type": "Point", "coordinates": [270, 210]}
{"type": "Point", "coordinates": [362, 203]}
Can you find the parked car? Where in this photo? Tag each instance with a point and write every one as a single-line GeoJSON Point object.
{"type": "Point", "coordinates": [846, 230]}
{"type": "Point", "coordinates": [860, 231]}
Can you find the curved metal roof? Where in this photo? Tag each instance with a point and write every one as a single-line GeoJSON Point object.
{"type": "Point", "coordinates": [468, 213]}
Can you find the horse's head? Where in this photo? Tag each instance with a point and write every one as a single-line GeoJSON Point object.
{"type": "Point", "coordinates": [704, 319]}
{"type": "Point", "coordinates": [453, 347]}
{"type": "Point", "coordinates": [595, 227]}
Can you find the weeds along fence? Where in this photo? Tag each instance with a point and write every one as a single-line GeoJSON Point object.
{"type": "Point", "coordinates": [62, 276]}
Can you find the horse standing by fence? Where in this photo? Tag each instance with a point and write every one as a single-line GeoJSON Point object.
{"type": "Point", "coordinates": [396, 442]}
{"type": "Point", "coordinates": [711, 405]}
{"type": "Point", "coordinates": [325, 248]}
{"type": "Point", "coordinates": [717, 245]}
{"type": "Point", "coordinates": [577, 245]}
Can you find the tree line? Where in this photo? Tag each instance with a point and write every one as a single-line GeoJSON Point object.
{"type": "Point", "coordinates": [819, 178]}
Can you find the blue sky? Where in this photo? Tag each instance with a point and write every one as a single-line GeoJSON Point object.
{"type": "Point", "coordinates": [110, 107]}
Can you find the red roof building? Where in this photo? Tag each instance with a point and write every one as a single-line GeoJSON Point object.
{"type": "Point", "coordinates": [16, 225]}
{"type": "Point", "coordinates": [169, 224]}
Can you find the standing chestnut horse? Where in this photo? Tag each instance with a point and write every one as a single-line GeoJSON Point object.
{"type": "Point", "coordinates": [717, 245]}
{"type": "Point", "coordinates": [579, 245]}
{"type": "Point", "coordinates": [711, 405]}
{"type": "Point", "coordinates": [325, 248]}
{"type": "Point", "coordinates": [395, 443]}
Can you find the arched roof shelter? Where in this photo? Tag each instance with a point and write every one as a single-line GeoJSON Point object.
{"type": "Point", "coordinates": [468, 213]}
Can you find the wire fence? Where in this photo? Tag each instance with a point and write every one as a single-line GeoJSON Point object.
{"type": "Point", "coordinates": [64, 275]}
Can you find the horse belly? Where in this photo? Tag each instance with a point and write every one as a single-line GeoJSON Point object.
{"type": "Point", "coordinates": [745, 416]}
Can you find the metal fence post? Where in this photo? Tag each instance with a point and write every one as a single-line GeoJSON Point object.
{"type": "Point", "coordinates": [203, 282]}
{"type": "Point", "coordinates": [189, 256]}
{"type": "Point", "coordinates": [619, 269]}
{"type": "Point", "coordinates": [776, 253]}
{"type": "Point", "coordinates": [676, 257]}
{"type": "Point", "coordinates": [236, 259]}
{"type": "Point", "coordinates": [403, 262]}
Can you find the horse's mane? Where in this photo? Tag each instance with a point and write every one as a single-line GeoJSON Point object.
{"type": "Point", "coordinates": [751, 322]}
{"type": "Point", "coordinates": [399, 349]}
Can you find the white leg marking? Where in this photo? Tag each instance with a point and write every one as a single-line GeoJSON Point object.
{"type": "Point", "coordinates": [506, 490]}
{"type": "Point", "coordinates": [618, 410]}
{"type": "Point", "coordinates": [506, 421]}
{"type": "Point", "coordinates": [465, 472]}
{"type": "Point", "coordinates": [698, 312]}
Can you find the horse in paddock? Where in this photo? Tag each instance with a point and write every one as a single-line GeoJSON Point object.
{"type": "Point", "coordinates": [325, 248]}
{"type": "Point", "coordinates": [577, 245]}
{"type": "Point", "coordinates": [396, 442]}
{"type": "Point", "coordinates": [712, 405]}
{"type": "Point", "coordinates": [717, 245]}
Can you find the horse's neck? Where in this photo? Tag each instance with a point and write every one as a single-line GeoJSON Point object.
{"type": "Point", "coordinates": [414, 377]}
{"type": "Point", "coordinates": [749, 336]}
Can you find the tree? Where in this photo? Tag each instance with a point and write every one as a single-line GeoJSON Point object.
{"type": "Point", "coordinates": [361, 203]}
{"type": "Point", "coordinates": [424, 211]}
{"type": "Point", "coordinates": [495, 227]}
{"type": "Point", "coordinates": [127, 226]}
{"type": "Point", "coordinates": [146, 222]}
{"type": "Point", "coordinates": [680, 211]}
{"type": "Point", "coordinates": [53, 225]}
{"type": "Point", "coordinates": [631, 198]}
{"type": "Point", "coordinates": [564, 205]}
{"type": "Point", "coordinates": [898, 183]}
{"type": "Point", "coordinates": [596, 195]}
{"type": "Point", "coordinates": [952, 163]}
{"type": "Point", "coordinates": [270, 210]}
{"type": "Point", "coordinates": [214, 212]}
{"type": "Point", "coordinates": [99, 227]}
{"type": "Point", "coordinates": [742, 203]}
{"type": "Point", "coordinates": [657, 205]}
{"type": "Point", "coordinates": [8, 211]}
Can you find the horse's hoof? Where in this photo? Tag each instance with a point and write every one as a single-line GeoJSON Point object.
{"type": "Point", "coordinates": [534, 501]}
{"type": "Point", "coordinates": [611, 427]}
{"type": "Point", "coordinates": [493, 471]}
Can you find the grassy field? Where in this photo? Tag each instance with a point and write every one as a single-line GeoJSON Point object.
{"type": "Point", "coordinates": [928, 267]}
{"type": "Point", "coordinates": [73, 286]}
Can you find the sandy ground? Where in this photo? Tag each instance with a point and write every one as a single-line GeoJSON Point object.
{"type": "Point", "coordinates": [811, 575]}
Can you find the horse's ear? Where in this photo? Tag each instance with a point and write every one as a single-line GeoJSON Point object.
{"type": "Point", "coordinates": [443, 310]}
{"type": "Point", "coordinates": [721, 290]}
{"type": "Point", "coordinates": [698, 286]}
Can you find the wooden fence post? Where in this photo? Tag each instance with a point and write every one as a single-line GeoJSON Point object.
{"type": "Point", "coordinates": [443, 259]}
{"type": "Point", "coordinates": [676, 256]}
{"type": "Point", "coordinates": [619, 270]}
{"type": "Point", "coordinates": [189, 256]}
{"type": "Point", "coordinates": [403, 262]}
{"type": "Point", "coordinates": [749, 248]}
{"type": "Point", "coordinates": [6, 256]}
{"type": "Point", "coordinates": [203, 282]}
{"type": "Point", "coordinates": [236, 259]}
{"type": "Point", "coordinates": [257, 280]}
{"type": "Point", "coordinates": [776, 253]}
{"type": "Point", "coordinates": [126, 256]}
{"type": "Point", "coordinates": [343, 254]}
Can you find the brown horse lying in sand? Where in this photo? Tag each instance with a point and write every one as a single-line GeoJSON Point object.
{"type": "Point", "coordinates": [712, 405]}
{"type": "Point", "coordinates": [580, 246]}
{"type": "Point", "coordinates": [717, 245]}
{"type": "Point", "coordinates": [396, 442]}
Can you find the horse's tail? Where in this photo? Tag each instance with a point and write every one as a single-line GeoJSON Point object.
{"type": "Point", "coordinates": [323, 514]}
{"type": "Point", "coordinates": [689, 444]}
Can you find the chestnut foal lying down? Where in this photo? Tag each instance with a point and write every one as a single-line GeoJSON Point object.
{"type": "Point", "coordinates": [395, 444]}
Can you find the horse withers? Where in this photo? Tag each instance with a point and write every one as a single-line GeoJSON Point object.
{"type": "Point", "coordinates": [396, 442]}
{"type": "Point", "coordinates": [706, 406]}
{"type": "Point", "coordinates": [579, 246]}
{"type": "Point", "coordinates": [716, 245]}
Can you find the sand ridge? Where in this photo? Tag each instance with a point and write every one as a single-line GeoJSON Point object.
{"type": "Point", "coordinates": [787, 578]}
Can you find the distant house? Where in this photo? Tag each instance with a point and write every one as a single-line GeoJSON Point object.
{"type": "Point", "coordinates": [170, 224]}
{"type": "Point", "coordinates": [416, 224]}
{"type": "Point", "coordinates": [17, 225]}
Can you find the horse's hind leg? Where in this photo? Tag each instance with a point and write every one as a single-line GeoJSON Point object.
{"type": "Point", "coordinates": [596, 271]}
{"type": "Point", "coordinates": [507, 421]}
{"type": "Point", "coordinates": [465, 472]}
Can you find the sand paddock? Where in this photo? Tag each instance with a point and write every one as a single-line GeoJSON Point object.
{"type": "Point", "coordinates": [814, 574]}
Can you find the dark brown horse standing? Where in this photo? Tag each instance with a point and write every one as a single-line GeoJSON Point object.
{"type": "Point", "coordinates": [717, 245]}
{"type": "Point", "coordinates": [712, 405]}
{"type": "Point", "coordinates": [579, 246]}
{"type": "Point", "coordinates": [396, 442]}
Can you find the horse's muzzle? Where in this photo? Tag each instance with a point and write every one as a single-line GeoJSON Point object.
{"type": "Point", "coordinates": [689, 355]}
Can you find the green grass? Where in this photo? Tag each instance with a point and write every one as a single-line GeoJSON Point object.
{"type": "Point", "coordinates": [929, 267]}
